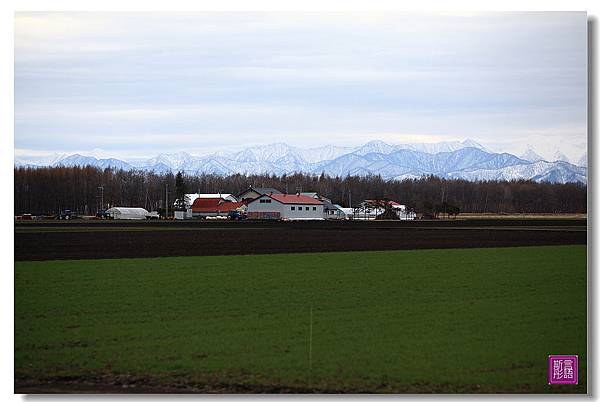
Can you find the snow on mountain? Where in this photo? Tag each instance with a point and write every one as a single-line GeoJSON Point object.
{"type": "Point", "coordinates": [416, 163]}
{"type": "Point", "coordinates": [555, 172]}
{"type": "Point", "coordinates": [174, 161]}
{"type": "Point", "coordinates": [80, 160]}
{"type": "Point", "coordinates": [159, 168]}
{"type": "Point", "coordinates": [473, 159]}
{"type": "Point", "coordinates": [40, 161]}
{"type": "Point", "coordinates": [376, 146]}
{"type": "Point", "coordinates": [446, 146]}
{"type": "Point", "coordinates": [465, 159]}
{"type": "Point", "coordinates": [264, 153]}
{"type": "Point", "coordinates": [429, 148]}
{"type": "Point", "coordinates": [559, 156]}
{"type": "Point", "coordinates": [324, 153]}
{"type": "Point", "coordinates": [211, 164]}
{"type": "Point", "coordinates": [530, 155]}
{"type": "Point", "coordinates": [583, 160]}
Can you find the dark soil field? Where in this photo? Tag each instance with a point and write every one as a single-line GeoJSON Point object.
{"type": "Point", "coordinates": [122, 239]}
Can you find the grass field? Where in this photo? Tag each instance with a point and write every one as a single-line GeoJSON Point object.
{"type": "Point", "coordinates": [476, 320]}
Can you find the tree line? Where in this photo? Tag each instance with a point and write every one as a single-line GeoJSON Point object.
{"type": "Point", "coordinates": [86, 190]}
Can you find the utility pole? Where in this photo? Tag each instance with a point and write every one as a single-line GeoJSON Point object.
{"type": "Point", "coordinates": [166, 200]}
{"type": "Point", "coordinates": [350, 198]}
{"type": "Point", "coordinates": [101, 198]}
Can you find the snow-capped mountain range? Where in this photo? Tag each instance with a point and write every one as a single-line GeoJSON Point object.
{"type": "Point", "coordinates": [451, 159]}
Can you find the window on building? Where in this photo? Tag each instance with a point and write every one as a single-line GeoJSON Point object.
{"type": "Point", "coordinates": [293, 208]}
{"type": "Point", "coordinates": [268, 201]}
{"type": "Point", "coordinates": [314, 208]}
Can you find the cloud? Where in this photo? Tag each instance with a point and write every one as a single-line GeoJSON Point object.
{"type": "Point", "coordinates": [112, 80]}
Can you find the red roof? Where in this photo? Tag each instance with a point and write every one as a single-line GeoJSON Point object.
{"type": "Point", "coordinates": [214, 205]}
{"type": "Point", "coordinates": [294, 199]}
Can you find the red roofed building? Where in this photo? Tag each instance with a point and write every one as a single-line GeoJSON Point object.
{"type": "Point", "coordinates": [285, 207]}
{"type": "Point", "coordinates": [203, 207]}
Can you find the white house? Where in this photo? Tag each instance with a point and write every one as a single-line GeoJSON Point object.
{"type": "Point", "coordinates": [285, 207]}
{"type": "Point", "coordinates": [127, 213]}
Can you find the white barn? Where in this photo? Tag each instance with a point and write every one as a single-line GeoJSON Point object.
{"type": "Point", "coordinates": [285, 207]}
{"type": "Point", "coordinates": [127, 213]}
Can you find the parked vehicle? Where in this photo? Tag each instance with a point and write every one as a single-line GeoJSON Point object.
{"type": "Point", "coordinates": [102, 214]}
{"type": "Point", "coordinates": [236, 216]}
{"type": "Point", "coordinates": [153, 215]}
{"type": "Point", "coordinates": [66, 215]}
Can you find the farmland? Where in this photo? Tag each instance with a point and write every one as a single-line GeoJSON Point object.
{"type": "Point", "coordinates": [454, 320]}
{"type": "Point", "coordinates": [114, 239]}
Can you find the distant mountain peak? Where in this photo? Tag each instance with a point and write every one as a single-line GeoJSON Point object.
{"type": "Point", "coordinates": [377, 142]}
{"type": "Point", "coordinates": [559, 156]}
{"type": "Point", "coordinates": [530, 155]}
{"type": "Point", "coordinates": [473, 144]}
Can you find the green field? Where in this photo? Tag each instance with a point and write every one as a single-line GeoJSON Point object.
{"type": "Point", "coordinates": [462, 320]}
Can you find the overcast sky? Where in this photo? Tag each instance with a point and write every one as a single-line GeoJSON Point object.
{"type": "Point", "coordinates": [138, 84]}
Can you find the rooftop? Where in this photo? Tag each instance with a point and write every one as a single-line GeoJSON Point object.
{"type": "Point", "coordinates": [261, 190]}
{"type": "Point", "coordinates": [294, 199]}
{"type": "Point", "coordinates": [214, 205]}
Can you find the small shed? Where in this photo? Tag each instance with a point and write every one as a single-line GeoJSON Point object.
{"type": "Point", "coordinates": [332, 211]}
{"type": "Point", "coordinates": [127, 213]}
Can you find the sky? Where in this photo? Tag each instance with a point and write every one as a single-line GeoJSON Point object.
{"type": "Point", "coordinates": [131, 85]}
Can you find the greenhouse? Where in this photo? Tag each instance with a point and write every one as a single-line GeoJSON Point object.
{"type": "Point", "coordinates": [127, 213]}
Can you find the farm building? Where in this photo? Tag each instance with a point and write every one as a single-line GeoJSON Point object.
{"type": "Point", "coordinates": [285, 207]}
{"type": "Point", "coordinates": [127, 213]}
{"type": "Point", "coordinates": [190, 198]}
{"type": "Point", "coordinates": [332, 211]}
{"type": "Point", "coordinates": [255, 192]}
{"type": "Point", "coordinates": [205, 207]}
